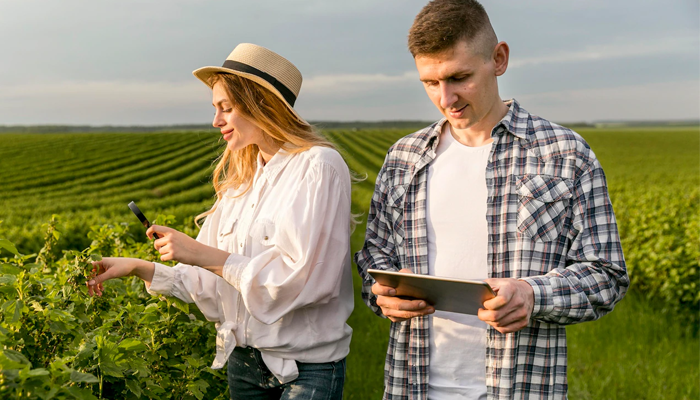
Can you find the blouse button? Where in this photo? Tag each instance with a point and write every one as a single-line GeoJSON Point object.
{"type": "Point", "coordinates": [265, 238]}
{"type": "Point", "coordinates": [241, 244]}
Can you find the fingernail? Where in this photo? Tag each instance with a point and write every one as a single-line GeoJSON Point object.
{"type": "Point", "coordinates": [421, 304]}
{"type": "Point", "coordinates": [91, 283]}
{"type": "Point", "coordinates": [392, 292]}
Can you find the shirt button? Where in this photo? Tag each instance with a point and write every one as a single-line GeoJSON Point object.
{"type": "Point", "coordinates": [265, 237]}
{"type": "Point", "coordinates": [252, 205]}
{"type": "Point", "coordinates": [241, 244]}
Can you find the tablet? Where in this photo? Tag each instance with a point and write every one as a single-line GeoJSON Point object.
{"type": "Point", "coordinates": [445, 294]}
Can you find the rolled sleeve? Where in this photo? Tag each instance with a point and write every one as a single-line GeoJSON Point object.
{"type": "Point", "coordinates": [233, 268]}
{"type": "Point", "coordinates": [542, 291]}
{"type": "Point", "coordinates": [162, 282]}
{"type": "Point", "coordinates": [595, 277]}
{"type": "Point", "coordinates": [379, 250]}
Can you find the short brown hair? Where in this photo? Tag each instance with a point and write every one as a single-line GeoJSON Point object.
{"type": "Point", "coordinates": [443, 23]}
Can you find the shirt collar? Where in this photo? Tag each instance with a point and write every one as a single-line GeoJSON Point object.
{"type": "Point", "coordinates": [433, 138]}
{"type": "Point", "coordinates": [270, 170]}
{"type": "Point", "coordinates": [515, 121]}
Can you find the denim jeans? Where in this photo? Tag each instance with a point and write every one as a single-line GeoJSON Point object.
{"type": "Point", "coordinates": [250, 379]}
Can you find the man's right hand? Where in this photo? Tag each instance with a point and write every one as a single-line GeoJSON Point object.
{"type": "Point", "coordinates": [397, 309]}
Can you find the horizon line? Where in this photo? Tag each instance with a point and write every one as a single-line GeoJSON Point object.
{"type": "Point", "coordinates": [691, 121]}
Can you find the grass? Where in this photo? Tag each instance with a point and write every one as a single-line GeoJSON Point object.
{"type": "Point", "coordinates": [636, 352]}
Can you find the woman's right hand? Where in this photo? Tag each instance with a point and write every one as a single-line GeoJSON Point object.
{"type": "Point", "coordinates": [118, 267]}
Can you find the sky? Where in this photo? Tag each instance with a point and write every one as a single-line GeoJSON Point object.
{"type": "Point", "coordinates": [129, 62]}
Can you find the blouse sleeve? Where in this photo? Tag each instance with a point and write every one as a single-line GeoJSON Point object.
{"type": "Point", "coordinates": [189, 283]}
{"type": "Point", "coordinates": [310, 248]}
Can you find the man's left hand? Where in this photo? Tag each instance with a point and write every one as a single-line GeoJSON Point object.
{"type": "Point", "coordinates": [511, 309]}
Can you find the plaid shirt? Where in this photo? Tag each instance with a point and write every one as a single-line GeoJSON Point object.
{"type": "Point", "coordinates": [550, 223]}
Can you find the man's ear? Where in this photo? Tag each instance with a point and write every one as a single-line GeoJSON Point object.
{"type": "Point", "coordinates": [500, 58]}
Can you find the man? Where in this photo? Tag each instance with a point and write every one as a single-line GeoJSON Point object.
{"type": "Point", "coordinates": [490, 191]}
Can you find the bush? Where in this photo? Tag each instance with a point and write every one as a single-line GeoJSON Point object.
{"type": "Point", "coordinates": [660, 238]}
{"type": "Point", "coordinates": [59, 343]}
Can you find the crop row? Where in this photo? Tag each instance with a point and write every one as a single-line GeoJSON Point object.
{"type": "Point", "coordinates": [64, 156]}
{"type": "Point", "coordinates": [99, 166]}
{"type": "Point", "coordinates": [138, 173]}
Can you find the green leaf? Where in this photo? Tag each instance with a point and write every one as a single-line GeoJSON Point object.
{"type": "Point", "coordinates": [57, 234]}
{"type": "Point", "coordinates": [179, 304]}
{"type": "Point", "coordinates": [203, 385]}
{"type": "Point", "coordinates": [7, 279]}
{"type": "Point", "coordinates": [78, 377]}
{"type": "Point", "coordinates": [110, 368]}
{"type": "Point", "coordinates": [7, 245]}
{"type": "Point", "coordinates": [50, 394]}
{"type": "Point", "coordinates": [132, 345]}
{"type": "Point", "coordinates": [16, 356]}
{"type": "Point", "coordinates": [13, 308]}
{"type": "Point", "coordinates": [198, 388]}
{"type": "Point", "coordinates": [153, 389]}
{"type": "Point", "coordinates": [9, 269]}
{"type": "Point", "coordinates": [80, 393]}
{"type": "Point", "coordinates": [38, 372]}
{"type": "Point", "coordinates": [134, 387]}
{"type": "Point", "coordinates": [36, 306]}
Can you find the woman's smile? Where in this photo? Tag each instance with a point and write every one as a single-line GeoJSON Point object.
{"type": "Point", "coordinates": [228, 134]}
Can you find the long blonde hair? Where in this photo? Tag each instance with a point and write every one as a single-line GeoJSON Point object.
{"type": "Point", "coordinates": [235, 169]}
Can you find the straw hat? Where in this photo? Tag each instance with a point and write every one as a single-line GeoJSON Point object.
{"type": "Point", "coordinates": [262, 66]}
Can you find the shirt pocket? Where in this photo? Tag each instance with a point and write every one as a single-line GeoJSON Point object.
{"type": "Point", "coordinates": [226, 232]}
{"type": "Point", "coordinates": [262, 235]}
{"type": "Point", "coordinates": [542, 205]}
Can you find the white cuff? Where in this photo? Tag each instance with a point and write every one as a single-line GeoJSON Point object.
{"type": "Point", "coordinates": [233, 268]}
{"type": "Point", "coordinates": [162, 282]}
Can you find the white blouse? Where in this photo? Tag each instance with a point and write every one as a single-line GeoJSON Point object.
{"type": "Point", "coordinates": [287, 285]}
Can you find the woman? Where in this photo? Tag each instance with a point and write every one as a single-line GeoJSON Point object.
{"type": "Point", "coordinates": [270, 264]}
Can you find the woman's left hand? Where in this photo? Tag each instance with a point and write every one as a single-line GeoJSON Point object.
{"type": "Point", "coordinates": [175, 245]}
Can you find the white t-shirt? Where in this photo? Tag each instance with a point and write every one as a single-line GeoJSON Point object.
{"type": "Point", "coordinates": [457, 247]}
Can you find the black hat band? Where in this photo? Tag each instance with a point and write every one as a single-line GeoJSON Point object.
{"type": "Point", "coordinates": [284, 91]}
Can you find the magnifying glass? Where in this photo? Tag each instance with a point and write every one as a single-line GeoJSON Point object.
{"type": "Point", "coordinates": [141, 217]}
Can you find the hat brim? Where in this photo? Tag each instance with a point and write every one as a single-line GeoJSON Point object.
{"type": "Point", "coordinates": [205, 73]}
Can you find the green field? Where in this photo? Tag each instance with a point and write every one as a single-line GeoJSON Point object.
{"type": "Point", "coordinates": [647, 348]}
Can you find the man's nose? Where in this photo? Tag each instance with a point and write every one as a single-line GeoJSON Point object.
{"type": "Point", "coordinates": [447, 95]}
